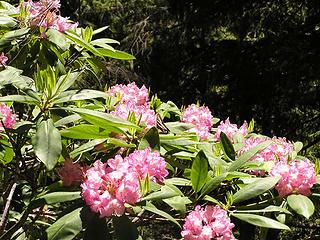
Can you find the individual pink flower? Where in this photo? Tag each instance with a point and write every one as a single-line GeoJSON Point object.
{"type": "Point", "coordinates": [147, 162]}
{"type": "Point", "coordinates": [298, 176]}
{"type": "Point", "coordinates": [201, 117]}
{"type": "Point", "coordinates": [142, 112]}
{"type": "Point", "coordinates": [130, 93]}
{"type": "Point", "coordinates": [7, 117]}
{"type": "Point", "coordinates": [230, 130]}
{"type": "Point", "coordinates": [211, 222]}
{"type": "Point", "coordinates": [3, 60]}
{"type": "Point", "coordinates": [71, 172]}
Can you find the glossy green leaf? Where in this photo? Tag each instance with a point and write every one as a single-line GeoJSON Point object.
{"type": "Point", "coordinates": [66, 227]}
{"type": "Point", "coordinates": [301, 205]}
{"type": "Point", "coordinates": [178, 181]}
{"type": "Point", "coordinates": [150, 139]}
{"type": "Point", "coordinates": [178, 203]}
{"type": "Point", "coordinates": [86, 147]}
{"type": "Point", "coordinates": [212, 184]}
{"type": "Point", "coordinates": [227, 146]}
{"type": "Point", "coordinates": [84, 131]}
{"type": "Point", "coordinates": [245, 157]}
{"type": "Point", "coordinates": [13, 35]}
{"type": "Point", "coordinates": [151, 208]}
{"type": "Point", "coordinates": [19, 98]}
{"type": "Point", "coordinates": [47, 143]}
{"type": "Point", "coordinates": [260, 221]}
{"type": "Point", "coordinates": [75, 95]}
{"type": "Point", "coordinates": [199, 171]}
{"type": "Point", "coordinates": [55, 197]}
{"type": "Point", "coordinates": [254, 189]}
{"type": "Point", "coordinates": [115, 54]}
{"type": "Point", "coordinates": [165, 192]}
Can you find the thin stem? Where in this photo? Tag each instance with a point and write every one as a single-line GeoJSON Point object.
{"type": "Point", "coordinates": [4, 218]}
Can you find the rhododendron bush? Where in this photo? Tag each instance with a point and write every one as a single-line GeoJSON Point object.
{"type": "Point", "coordinates": [99, 164]}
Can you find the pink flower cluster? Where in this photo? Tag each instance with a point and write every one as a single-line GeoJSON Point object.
{"type": "Point", "coordinates": [212, 222]}
{"type": "Point", "coordinates": [71, 172]}
{"type": "Point", "coordinates": [3, 60]}
{"type": "Point", "coordinates": [109, 186]}
{"type": "Point", "coordinates": [201, 117]}
{"type": "Point", "coordinates": [230, 130]}
{"type": "Point", "coordinates": [279, 150]}
{"type": "Point", "coordinates": [45, 13]}
{"type": "Point", "coordinates": [7, 117]}
{"type": "Point", "coordinates": [296, 177]}
{"type": "Point", "coordinates": [133, 100]}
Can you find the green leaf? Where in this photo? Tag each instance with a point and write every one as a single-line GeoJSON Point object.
{"type": "Point", "coordinates": [84, 131]}
{"type": "Point", "coordinates": [65, 82]}
{"type": "Point", "coordinates": [245, 157]}
{"type": "Point", "coordinates": [120, 143]}
{"type": "Point", "coordinates": [101, 119]}
{"type": "Point", "coordinates": [47, 143]}
{"type": "Point", "coordinates": [75, 95]}
{"type": "Point", "coordinates": [80, 42]}
{"type": "Point", "coordinates": [55, 197]}
{"type": "Point", "coordinates": [212, 184]}
{"type": "Point", "coordinates": [260, 221]}
{"type": "Point", "coordinates": [270, 208]}
{"type": "Point", "coordinates": [151, 208]}
{"type": "Point", "coordinates": [115, 54]}
{"type": "Point", "coordinates": [165, 192]}
{"type": "Point", "coordinates": [301, 205]}
{"type": "Point", "coordinates": [20, 98]}
{"type": "Point", "coordinates": [150, 139]}
{"type": "Point", "coordinates": [86, 147]}
{"type": "Point", "coordinates": [227, 146]}
{"type": "Point", "coordinates": [66, 120]}
{"type": "Point", "coordinates": [178, 127]}
{"type": "Point", "coordinates": [66, 227]}
{"type": "Point", "coordinates": [176, 140]}
{"type": "Point", "coordinates": [298, 146]}
{"type": "Point", "coordinates": [199, 171]}
{"type": "Point", "coordinates": [255, 189]}
{"type": "Point", "coordinates": [124, 228]}
{"type": "Point", "coordinates": [13, 35]}
{"type": "Point", "coordinates": [178, 203]}
{"type": "Point", "coordinates": [178, 181]}
{"type": "Point", "coordinates": [57, 38]}
{"type": "Point", "coordinates": [6, 153]}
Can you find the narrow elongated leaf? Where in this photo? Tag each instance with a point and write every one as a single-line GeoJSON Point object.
{"type": "Point", "coordinates": [55, 197]}
{"type": "Point", "coordinates": [19, 98]}
{"type": "Point", "coordinates": [66, 120]}
{"type": "Point", "coordinates": [150, 139]}
{"type": "Point", "coordinates": [80, 42]}
{"type": "Point", "coordinates": [301, 205]}
{"type": "Point", "coordinates": [165, 192]}
{"type": "Point", "coordinates": [260, 221]}
{"type": "Point", "coordinates": [178, 181]}
{"type": "Point", "coordinates": [66, 227]}
{"type": "Point", "coordinates": [270, 208]}
{"type": "Point", "coordinates": [212, 184]}
{"type": "Point", "coordinates": [12, 35]}
{"type": "Point", "coordinates": [151, 208]}
{"type": "Point", "coordinates": [115, 54]}
{"type": "Point", "coordinates": [255, 189]}
{"type": "Point", "coordinates": [86, 147]}
{"type": "Point", "coordinates": [75, 95]}
{"type": "Point", "coordinates": [178, 203]}
{"type": "Point", "coordinates": [227, 146]}
{"type": "Point", "coordinates": [245, 157]}
{"type": "Point", "coordinates": [47, 143]}
{"type": "Point", "coordinates": [84, 131]}
{"type": "Point", "coordinates": [124, 228]}
{"type": "Point", "coordinates": [102, 119]}
{"type": "Point", "coordinates": [57, 38]}
{"type": "Point", "coordinates": [65, 82]}
{"type": "Point", "coordinates": [199, 171]}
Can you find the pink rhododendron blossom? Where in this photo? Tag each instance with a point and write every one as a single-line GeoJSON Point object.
{"type": "Point", "coordinates": [201, 117]}
{"type": "Point", "coordinates": [230, 130]}
{"type": "Point", "coordinates": [130, 93]}
{"type": "Point", "coordinates": [45, 13]}
{"type": "Point", "coordinates": [296, 177]}
{"type": "Point", "coordinates": [142, 112]}
{"type": "Point", "coordinates": [211, 222]}
{"type": "Point", "coordinates": [109, 186]}
{"type": "Point", "coordinates": [3, 60]}
{"type": "Point", "coordinates": [7, 117]}
{"type": "Point", "coordinates": [146, 162]}
{"type": "Point", "coordinates": [71, 172]}
{"type": "Point", "coordinates": [279, 150]}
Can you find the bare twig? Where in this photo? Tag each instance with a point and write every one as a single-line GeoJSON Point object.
{"type": "Point", "coordinates": [5, 213]}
